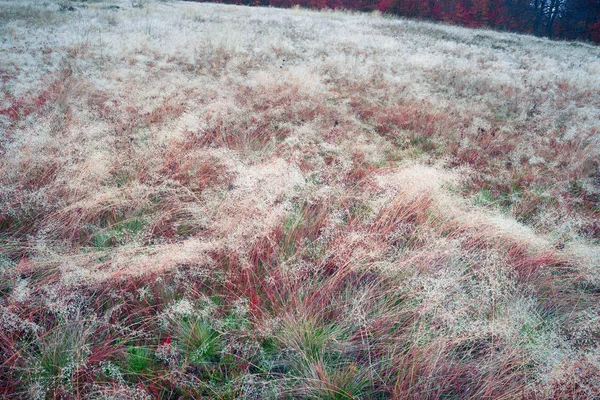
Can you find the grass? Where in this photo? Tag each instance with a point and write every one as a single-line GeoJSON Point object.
{"type": "Point", "coordinates": [300, 204]}
{"type": "Point", "coordinates": [138, 361]}
{"type": "Point", "coordinates": [118, 232]}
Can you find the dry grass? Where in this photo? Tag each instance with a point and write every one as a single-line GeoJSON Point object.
{"type": "Point", "coordinates": [208, 201]}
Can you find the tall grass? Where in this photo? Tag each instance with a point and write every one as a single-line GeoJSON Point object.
{"type": "Point", "coordinates": [336, 205]}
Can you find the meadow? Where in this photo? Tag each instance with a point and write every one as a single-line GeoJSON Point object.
{"type": "Point", "coordinates": [216, 201]}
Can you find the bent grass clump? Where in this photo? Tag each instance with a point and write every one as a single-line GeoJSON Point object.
{"type": "Point", "coordinates": [338, 205]}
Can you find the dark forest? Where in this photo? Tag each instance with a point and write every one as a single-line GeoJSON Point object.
{"type": "Point", "coordinates": [555, 19]}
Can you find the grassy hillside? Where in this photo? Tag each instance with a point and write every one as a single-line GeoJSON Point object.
{"type": "Point", "coordinates": [208, 201]}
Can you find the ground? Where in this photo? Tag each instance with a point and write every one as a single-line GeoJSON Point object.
{"type": "Point", "coordinates": [210, 201]}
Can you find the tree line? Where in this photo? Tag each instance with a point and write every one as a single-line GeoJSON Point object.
{"type": "Point", "coordinates": [562, 19]}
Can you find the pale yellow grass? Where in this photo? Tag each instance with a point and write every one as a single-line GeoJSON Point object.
{"type": "Point", "coordinates": [177, 134]}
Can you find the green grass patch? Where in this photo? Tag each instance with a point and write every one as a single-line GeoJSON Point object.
{"type": "Point", "coordinates": [118, 233]}
{"type": "Point", "coordinates": [198, 341]}
{"type": "Point", "coordinates": [139, 360]}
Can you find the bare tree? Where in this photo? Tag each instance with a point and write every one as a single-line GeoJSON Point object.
{"type": "Point", "coordinates": [547, 12]}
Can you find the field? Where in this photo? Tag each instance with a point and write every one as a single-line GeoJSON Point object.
{"type": "Point", "coordinates": [210, 201]}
